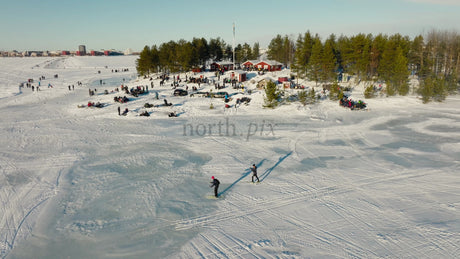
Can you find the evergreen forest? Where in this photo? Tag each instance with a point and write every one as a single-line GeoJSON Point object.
{"type": "Point", "coordinates": [433, 59]}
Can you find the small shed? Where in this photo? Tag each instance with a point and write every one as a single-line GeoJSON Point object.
{"type": "Point", "coordinates": [283, 79]}
{"type": "Point", "coordinates": [263, 82]}
{"type": "Point", "coordinates": [242, 77]}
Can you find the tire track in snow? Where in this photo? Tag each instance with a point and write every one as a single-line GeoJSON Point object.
{"type": "Point", "coordinates": [219, 250]}
{"type": "Point", "coordinates": [325, 237]}
{"type": "Point", "coordinates": [249, 209]}
{"type": "Point", "coordinates": [374, 180]}
{"type": "Point", "coordinates": [335, 208]}
{"type": "Point", "coordinates": [285, 200]}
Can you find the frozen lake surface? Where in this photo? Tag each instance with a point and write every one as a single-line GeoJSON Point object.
{"type": "Point", "coordinates": [335, 183]}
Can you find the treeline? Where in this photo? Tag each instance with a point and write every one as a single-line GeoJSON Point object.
{"type": "Point", "coordinates": [435, 59]}
{"type": "Point", "coordinates": [182, 55]}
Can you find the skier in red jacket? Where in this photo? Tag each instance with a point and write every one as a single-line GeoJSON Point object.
{"type": "Point", "coordinates": [215, 183]}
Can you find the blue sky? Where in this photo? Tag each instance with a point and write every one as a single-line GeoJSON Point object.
{"type": "Point", "coordinates": [115, 24]}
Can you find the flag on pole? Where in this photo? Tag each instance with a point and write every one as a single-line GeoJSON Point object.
{"type": "Point", "coordinates": [233, 46]}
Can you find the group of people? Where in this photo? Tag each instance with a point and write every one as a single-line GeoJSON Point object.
{"type": "Point", "coordinates": [120, 99]}
{"type": "Point", "coordinates": [349, 103]}
{"type": "Point", "coordinates": [125, 112]}
{"type": "Point", "coordinates": [97, 105]}
{"type": "Point", "coordinates": [136, 91]}
{"type": "Point", "coordinates": [215, 183]}
{"type": "Point", "coordinates": [36, 88]}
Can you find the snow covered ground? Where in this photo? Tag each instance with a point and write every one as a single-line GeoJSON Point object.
{"type": "Point", "coordinates": [335, 183]}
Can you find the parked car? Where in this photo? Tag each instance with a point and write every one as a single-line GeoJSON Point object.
{"type": "Point", "coordinates": [180, 92]}
{"type": "Point", "coordinates": [220, 94]}
{"type": "Point", "coordinates": [200, 94]}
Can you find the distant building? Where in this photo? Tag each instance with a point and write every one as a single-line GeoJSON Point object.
{"type": "Point", "coordinates": [96, 53]}
{"type": "Point", "coordinates": [65, 53]}
{"type": "Point", "coordinates": [112, 53]}
{"type": "Point", "coordinates": [81, 50]}
{"type": "Point", "coordinates": [128, 51]}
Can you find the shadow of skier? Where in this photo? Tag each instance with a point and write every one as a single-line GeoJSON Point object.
{"type": "Point", "coordinates": [269, 170]}
{"type": "Point", "coordinates": [245, 174]}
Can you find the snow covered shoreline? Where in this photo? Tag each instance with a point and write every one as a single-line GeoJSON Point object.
{"type": "Point", "coordinates": [87, 183]}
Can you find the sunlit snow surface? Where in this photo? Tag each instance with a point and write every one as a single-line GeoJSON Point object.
{"type": "Point", "coordinates": [87, 183]}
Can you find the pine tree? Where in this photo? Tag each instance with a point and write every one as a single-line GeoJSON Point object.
{"type": "Point", "coordinates": [216, 49]}
{"type": "Point", "coordinates": [315, 63]}
{"type": "Point", "coordinates": [239, 54]}
{"type": "Point", "coordinates": [377, 48]}
{"type": "Point", "coordinates": [355, 54]}
{"type": "Point", "coordinates": [272, 95]}
{"type": "Point", "coordinates": [302, 54]}
{"type": "Point", "coordinates": [200, 51]}
{"type": "Point", "coordinates": [155, 57]}
{"type": "Point", "coordinates": [329, 61]}
{"type": "Point", "coordinates": [255, 51]}
{"type": "Point", "coordinates": [307, 97]}
{"type": "Point", "coordinates": [385, 68]}
{"type": "Point", "coordinates": [281, 49]}
{"type": "Point", "coordinates": [167, 54]}
{"type": "Point", "coordinates": [247, 52]}
{"type": "Point", "coordinates": [400, 72]}
{"type": "Point", "coordinates": [289, 50]}
{"type": "Point", "coordinates": [369, 92]}
{"type": "Point", "coordinates": [303, 97]}
{"type": "Point", "coordinates": [426, 89]}
{"type": "Point", "coordinates": [452, 82]}
{"type": "Point", "coordinates": [433, 88]}
{"type": "Point", "coordinates": [275, 48]}
{"type": "Point", "coordinates": [416, 56]}
{"type": "Point", "coordinates": [144, 62]}
{"type": "Point", "coordinates": [311, 96]}
{"type": "Point", "coordinates": [335, 93]}
{"type": "Point", "coordinates": [363, 56]}
{"type": "Point", "coordinates": [439, 89]}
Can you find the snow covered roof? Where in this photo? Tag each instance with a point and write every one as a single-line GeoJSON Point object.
{"type": "Point", "coordinates": [251, 61]}
{"type": "Point", "coordinates": [270, 62]}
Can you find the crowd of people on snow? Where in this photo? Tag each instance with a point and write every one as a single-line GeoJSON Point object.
{"type": "Point", "coordinates": [120, 70]}
{"type": "Point", "coordinates": [97, 105]}
{"type": "Point", "coordinates": [30, 84]}
{"type": "Point", "coordinates": [349, 103]}
{"type": "Point", "coordinates": [135, 91]}
{"type": "Point", "coordinates": [120, 99]}
{"type": "Point", "coordinates": [218, 83]}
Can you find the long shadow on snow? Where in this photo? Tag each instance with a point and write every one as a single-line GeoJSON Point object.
{"type": "Point", "coordinates": [246, 173]}
{"type": "Point", "coordinates": [269, 170]}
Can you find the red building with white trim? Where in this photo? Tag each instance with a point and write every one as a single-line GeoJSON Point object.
{"type": "Point", "coordinates": [221, 66]}
{"type": "Point", "coordinates": [269, 65]}
{"type": "Point", "coordinates": [249, 64]}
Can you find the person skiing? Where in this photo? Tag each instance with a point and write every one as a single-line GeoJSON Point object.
{"type": "Point", "coordinates": [215, 183]}
{"type": "Point", "coordinates": [254, 172]}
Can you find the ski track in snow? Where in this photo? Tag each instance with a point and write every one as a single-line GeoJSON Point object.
{"type": "Point", "coordinates": [334, 182]}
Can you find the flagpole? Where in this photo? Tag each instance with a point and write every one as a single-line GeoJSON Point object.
{"type": "Point", "coordinates": [233, 45]}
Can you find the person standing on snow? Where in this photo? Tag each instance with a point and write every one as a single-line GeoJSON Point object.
{"type": "Point", "coordinates": [254, 172]}
{"type": "Point", "coordinates": [215, 183]}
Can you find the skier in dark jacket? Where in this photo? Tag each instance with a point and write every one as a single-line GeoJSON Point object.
{"type": "Point", "coordinates": [254, 172]}
{"type": "Point", "coordinates": [215, 183]}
